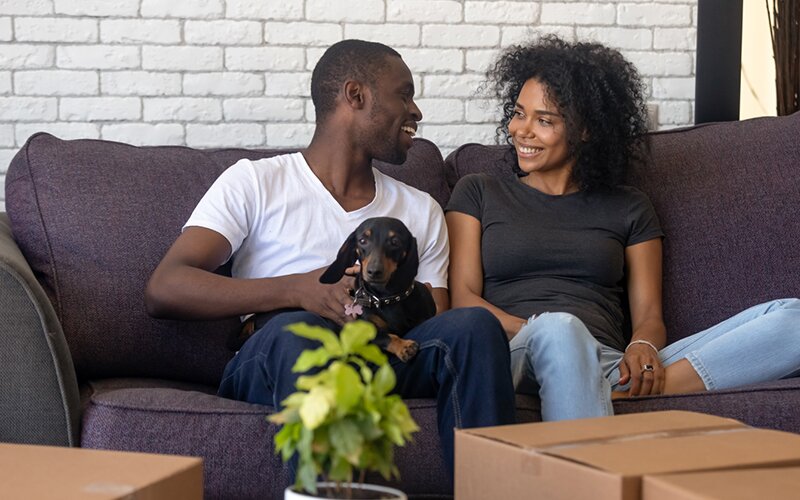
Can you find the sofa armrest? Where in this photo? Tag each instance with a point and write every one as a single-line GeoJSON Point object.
{"type": "Point", "coordinates": [39, 401]}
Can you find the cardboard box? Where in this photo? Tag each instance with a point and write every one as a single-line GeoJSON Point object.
{"type": "Point", "coordinates": [50, 472]}
{"type": "Point", "coordinates": [605, 458]}
{"type": "Point", "coordinates": [783, 482]}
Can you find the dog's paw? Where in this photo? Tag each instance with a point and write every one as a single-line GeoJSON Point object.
{"type": "Point", "coordinates": [408, 351]}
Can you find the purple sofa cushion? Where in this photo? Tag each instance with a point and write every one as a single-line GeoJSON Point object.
{"type": "Point", "coordinates": [771, 405]}
{"type": "Point", "coordinates": [94, 218]}
{"type": "Point", "coordinates": [182, 422]}
{"type": "Point", "coordinates": [165, 417]}
{"type": "Point", "coordinates": [727, 196]}
{"type": "Point", "coordinates": [473, 158]}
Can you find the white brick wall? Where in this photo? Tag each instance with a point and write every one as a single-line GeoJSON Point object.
{"type": "Point", "coordinates": [210, 73]}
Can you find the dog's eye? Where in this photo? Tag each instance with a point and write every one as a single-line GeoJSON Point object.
{"type": "Point", "coordinates": [362, 241]}
{"type": "Point", "coordinates": [394, 242]}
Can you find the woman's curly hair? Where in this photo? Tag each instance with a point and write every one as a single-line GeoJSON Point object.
{"type": "Point", "coordinates": [598, 92]}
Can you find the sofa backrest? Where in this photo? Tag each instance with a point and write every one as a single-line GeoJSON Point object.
{"type": "Point", "coordinates": [93, 219]}
{"type": "Point", "coordinates": [727, 195]}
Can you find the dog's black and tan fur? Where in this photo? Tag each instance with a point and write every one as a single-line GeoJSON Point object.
{"type": "Point", "coordinates": [386, 288]}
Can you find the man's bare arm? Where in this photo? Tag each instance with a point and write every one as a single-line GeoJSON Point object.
{"type": "Point", "coordinates": [184, 285]}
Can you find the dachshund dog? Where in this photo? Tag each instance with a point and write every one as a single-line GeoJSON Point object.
{"type": "Point", "coordinates": [386, 292]}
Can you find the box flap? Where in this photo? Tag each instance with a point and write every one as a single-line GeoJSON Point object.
{"type": "Point", "coordinates": [710, 450]}
{"type": "Point", "coordinates": [783, 482]}
{"type": "Point", "coordinates": [50, 472]}
{"type": "Point", "coordinates": [536, 436]}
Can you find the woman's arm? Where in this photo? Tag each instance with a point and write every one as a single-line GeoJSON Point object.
{"type": "Point", "coordinates": [466, 271]}
{"type": "Point", "coordinates": [643, 262]}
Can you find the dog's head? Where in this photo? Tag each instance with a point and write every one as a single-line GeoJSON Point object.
{"type": "Point", "coordinates": [387, 252]}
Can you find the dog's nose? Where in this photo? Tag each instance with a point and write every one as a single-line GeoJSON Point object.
{"type": "Point", "coordinates": [374, 273]}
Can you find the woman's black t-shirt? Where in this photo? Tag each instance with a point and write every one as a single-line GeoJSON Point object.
{"type": "Point", "coordinates": [545, 253]}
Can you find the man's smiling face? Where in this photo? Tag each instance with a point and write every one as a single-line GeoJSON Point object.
{"type": "Point", "coordinates": [392, 113]}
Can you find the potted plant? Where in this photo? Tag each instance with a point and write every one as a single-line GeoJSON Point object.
{"type": "Point", "coordinates": [342, 420]}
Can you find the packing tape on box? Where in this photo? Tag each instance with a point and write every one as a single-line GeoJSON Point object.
{"type": "Point", "coordinates": [638, 437]}
{"type": "Point", "coordinates": [531, 462]}
{"type": "Point", "coordinates": [109, 489]}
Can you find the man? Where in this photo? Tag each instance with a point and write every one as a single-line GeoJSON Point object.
{"type": "Point", "coordinates": [281, 220]}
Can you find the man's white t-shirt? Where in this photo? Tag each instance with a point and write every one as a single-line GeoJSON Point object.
{"type": "Point", "coordinates": [279, 219]}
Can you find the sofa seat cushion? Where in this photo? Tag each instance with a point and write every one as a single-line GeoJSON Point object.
{"type": "Point", "coordinates": [158, 416]}
{"type": "Point", "coordinates": [155, 417]}
{"type": "Point", "coordinates": [771, 405]}
{"type": "Point", "coordinates": [234, 438]}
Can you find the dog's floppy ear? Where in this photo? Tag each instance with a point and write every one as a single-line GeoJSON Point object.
{"type": "Point", "coordinates": [344, 259]}
{"type": "Point", "coordinates": [407, 270]}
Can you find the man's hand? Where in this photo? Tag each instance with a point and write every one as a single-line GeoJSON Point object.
{"type": "Point", "coordinates": [353, 271]}
{"type": "Point", "coordinates": [328, 301]}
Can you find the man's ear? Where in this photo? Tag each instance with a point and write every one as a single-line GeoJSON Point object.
{"type": "Point", "coordinates": [354, 94]}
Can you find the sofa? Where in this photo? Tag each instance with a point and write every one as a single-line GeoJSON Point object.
{"type": "Point", "coordinates": [82, 364]}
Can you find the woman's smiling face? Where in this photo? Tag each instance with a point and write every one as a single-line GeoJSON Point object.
{"type": "Point", "coordinates": [538, 131]}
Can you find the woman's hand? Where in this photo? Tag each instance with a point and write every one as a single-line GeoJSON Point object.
{"type": "Point", "coordinates": [641, 367]}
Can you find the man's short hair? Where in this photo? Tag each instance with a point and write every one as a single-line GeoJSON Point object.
{"type": "Point", "coordinates": [346, 60]}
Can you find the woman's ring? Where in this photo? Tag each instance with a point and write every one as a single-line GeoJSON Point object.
{"type": "Point", "coordinates": [647, 368]}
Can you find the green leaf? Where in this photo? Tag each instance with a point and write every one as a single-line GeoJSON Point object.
{"type": "Point", "coordinates": [366, 371]}
{"type": "Point", "coordinates": [394, 433]}
{"type": "Point", "coordinates": [403, 418]}
{"type": "Point", "coordinates": [348, 388]}
{"type": "Point", "coordinates": [385, 468]}
{"type": "Point", "coordinates": [356, 334]}
{"type": "Point", "coordinates": [307, 477]}
{"type": "Point", "coordinates": [288, 452]}
{"type": "Point", "coordinates": [308, 382]}
{"type": "Point", "coordinates": [293, 401]}
{"type": "Point", "coordinates": [309, 359]}
{"type": "Point", "coordinates": [286, 417]}
{"type": "Point", "coordinates": [316, 407]}
{"type": "Point", "coordinates": [347, 440]}
{"type": "Point", "coordinates": [278, 418]}
{"type": "Point", "coordinates": [322, 443]}
{"type": "Point", "coordinates": [340, 470]}
{"type": "Point", "coordinates": [384, 380]}
{"type": "Point", "coordinates": [284, 439]}
{"type": "Point", "coordinates": [373, 354]}
{"type": "Point", "coordinates": [304, 440]}
{"type": "Point", "coordinates": [386, 460]}
{"type": "Point", "coordinates": [368, 428]}
{"type": "Point", "coordinates": [329, 339]}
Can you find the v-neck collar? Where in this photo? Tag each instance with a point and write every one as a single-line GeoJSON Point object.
{"type": "Point", "coordinates": [326, 195]}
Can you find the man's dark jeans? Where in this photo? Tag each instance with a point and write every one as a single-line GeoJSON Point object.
{"type": "Point", "coordinates": [463, 363]}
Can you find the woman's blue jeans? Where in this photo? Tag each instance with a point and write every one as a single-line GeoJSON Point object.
{"type": "Point", "coordinates": [556, 357]}
{"type": "Point", "coordinates": [463, 362]}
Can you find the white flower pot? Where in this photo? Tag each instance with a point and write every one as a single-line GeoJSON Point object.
{"type": "Point", "coordinates": [377, 493]}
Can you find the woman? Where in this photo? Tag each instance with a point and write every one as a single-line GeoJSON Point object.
{"type": "Point", "coordinates": [568, 243]}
